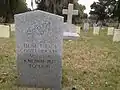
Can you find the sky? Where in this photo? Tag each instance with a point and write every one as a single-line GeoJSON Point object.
{"type": "Point", "coordinates": [87, 3]}
{"type": "Point", "coordinates": [29, 4]}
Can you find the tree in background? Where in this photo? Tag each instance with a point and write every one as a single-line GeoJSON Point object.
{"type": "Point", "coordinates": [56, 7]}
{"type": "Point", "coordinates": [117, 12]}
{"type": "Point", "coordinates": [103, 9]}
{"type": "Point", "coordinates": [81, 15]}
{"type": "Point", "coordinates": [10, 7]}
{"type": "Point", "coordinates": [53, 6]}
{"type": "Point", "coordinates": [21, 7]}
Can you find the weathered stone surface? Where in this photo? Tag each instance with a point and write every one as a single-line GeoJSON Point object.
{"type": "Point", "coordinates": [39, 37]}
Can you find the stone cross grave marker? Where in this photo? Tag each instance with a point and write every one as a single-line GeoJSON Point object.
{"type": "Point", "coordinates": [70, 32]}
{"type": "Point", "coordinates": [39, 38]}
{"type": "Point", "coordinates": [70, 12]}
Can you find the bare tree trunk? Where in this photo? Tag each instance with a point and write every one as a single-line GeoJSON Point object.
{"type": "Point", "coordinates": [6, 17]}
{"type": "Point", "coordinates": [47, 3]}
{"type": "Point", "coordinates": [55, 12]}
{"type": "Point", "coordinates": [32, 4]}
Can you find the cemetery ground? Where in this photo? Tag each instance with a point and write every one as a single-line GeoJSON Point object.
{"type": "Point", "coordinates": [90, 63]}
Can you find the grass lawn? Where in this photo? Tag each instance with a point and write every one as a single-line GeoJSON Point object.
{"type": "Point", "coordinates": [90, 63]}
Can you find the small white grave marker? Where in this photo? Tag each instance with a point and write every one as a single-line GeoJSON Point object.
{"type": "Point", "coordinates": [78, 29]}
{"type": "Point", "coordinates": [86, 26]}
{"type": "Point", "coordinates": [12, 27]}
{"type": "Point", "coordinates": [116, 37]}
{"type": "Point", "coordinates": [96, 30]}
{"type": "Point", "coordinates": [4, 31]}
{"type": "Point", "coordinates": [110, 31]}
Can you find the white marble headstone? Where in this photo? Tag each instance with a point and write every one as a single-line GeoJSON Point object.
{"type": "Point", "coordinates": [12, 27]}
{"type": "Point", "coordinates": [78, 29]}
{"type": "Point", "coordinates": [39, 37]}
{"type": "Point", "coordinates": [96, 30]}
{"type": "Point", "coordinates": [116, 37]}
{"type": "Point", "coordinates": [4, 31]}
{"type": "Point", "coordinates": [110, 31]}
{"type": "Point", "coordinates": [86, 26]}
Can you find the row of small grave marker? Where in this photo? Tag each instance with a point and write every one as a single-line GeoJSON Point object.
{"type": "Point", "coordinates": [111, 31]}
{"type": "Point", "coordinates": [6, 29]}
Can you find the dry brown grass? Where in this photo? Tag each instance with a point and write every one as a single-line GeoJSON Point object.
{"type": "Point", "coordinates": [92, 63]}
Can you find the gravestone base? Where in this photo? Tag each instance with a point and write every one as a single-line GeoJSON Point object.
{"type": "Point", "coordinates": [65, 88]}
{"type": "Point", "coordinates": [70, 36]}
{"type": "Point", "coordinates": [33, 88]}
{"type": "Point", "coordinates": [96, 30]}
{"type": "Point", "coordinates": [116, 37]}
{"type": "Point", "coordinates": [110, 31]}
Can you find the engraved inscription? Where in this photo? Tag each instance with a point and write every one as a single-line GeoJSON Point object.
{"type": "Point", "coordinates": [42, 61]}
